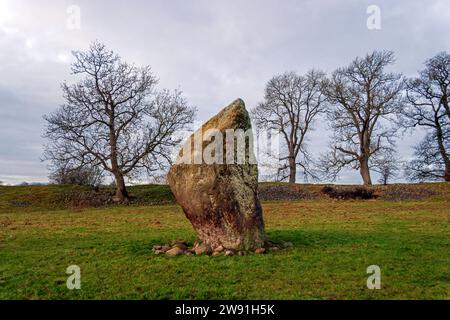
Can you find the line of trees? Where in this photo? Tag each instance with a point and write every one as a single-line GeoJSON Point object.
{"type": "Point", "coordinates": [365, 107]}
{"type": "Point", "coordinates": [114, 120]}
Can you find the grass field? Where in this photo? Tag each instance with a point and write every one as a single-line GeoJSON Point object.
{"type": "Point", "coordinates": [334, 242]}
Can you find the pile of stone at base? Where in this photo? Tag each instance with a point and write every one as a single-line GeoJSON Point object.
{"type": "Point", "coordinates": [179, 247]}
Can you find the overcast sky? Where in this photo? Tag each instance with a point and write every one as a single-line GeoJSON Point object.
{"type": "Point", "coordinates": [214, 51]}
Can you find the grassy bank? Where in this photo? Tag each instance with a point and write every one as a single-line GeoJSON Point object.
{"type": "Point", "coordinates": [57, 197]}
{"type": "Point", "coordinates": [334, 242]}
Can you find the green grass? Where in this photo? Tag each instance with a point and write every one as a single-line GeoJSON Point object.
{"type": "Point", "coordinates": [334, 243]}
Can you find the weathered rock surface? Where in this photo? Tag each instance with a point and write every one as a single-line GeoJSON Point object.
{"type": "Point", "coordinates": [260, 250]}
{"type": "Point", "coordinates": [228, 253]}
{"type": "Point", "coordinates": [202, 248]}
{"type": "Point", "coordinates": [220, 199]}
{"type": "Point", "coordinates": [175, 251]}
{"type": "Point", "coordinates": [179, 244]}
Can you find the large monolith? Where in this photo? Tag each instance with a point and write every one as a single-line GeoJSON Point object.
{"type": "Point", "coordinates": [215, 180]}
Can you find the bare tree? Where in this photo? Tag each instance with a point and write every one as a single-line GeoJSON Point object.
{"type": "Point", "coordinates": [387, 165]}
{"type": "Point", "coordinates": [364, 101]}
{"type": "Point", "coordinates": [428, 106]}
{"type": "Point", "coordinates": [291, 103]}
{"type": "Point", "coordinates": [114, 118]}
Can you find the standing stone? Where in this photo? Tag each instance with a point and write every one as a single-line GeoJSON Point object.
{"type": "Point", "coordinates": [220, 198]}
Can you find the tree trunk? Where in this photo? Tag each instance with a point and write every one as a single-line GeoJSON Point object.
{"type": "Point", "coordinates": [365, 172]}
{"type": "Point", "coordinates": [446, 106]}
{"type": "Point", "coordinates": [292, 170]}
{"type": "Point", "coordinates": [447, 172]}
{"type": "Point", "coordinates": [445, 157]}
{"type": "Point", "coordinates": [121, 190]}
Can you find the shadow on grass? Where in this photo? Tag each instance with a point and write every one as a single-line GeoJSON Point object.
{"type": "Point", "coordinates": [299, 238]}
{"type": "Point", "coordinates": [306, 238]}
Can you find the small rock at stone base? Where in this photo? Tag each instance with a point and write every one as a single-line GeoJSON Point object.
{"type": "Point", "coordinates": [202, 249]}
{"type": "Point", "coordinates": [182, 246]}
{"type": "Point", "coordinates": [228, 253]}
{"type": "Point", "coordinates": [260, 250]}
{"type": "Point", "coordinates": [219, 249]}
{"type": "Point", "coordinates": [175, 251]}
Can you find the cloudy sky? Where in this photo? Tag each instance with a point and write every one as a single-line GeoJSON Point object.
{"type": "Point", "coordinates": [215, 51]}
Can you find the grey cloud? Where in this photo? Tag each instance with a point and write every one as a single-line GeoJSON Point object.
{"type": "Point", "coordinates": [214, 51]}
